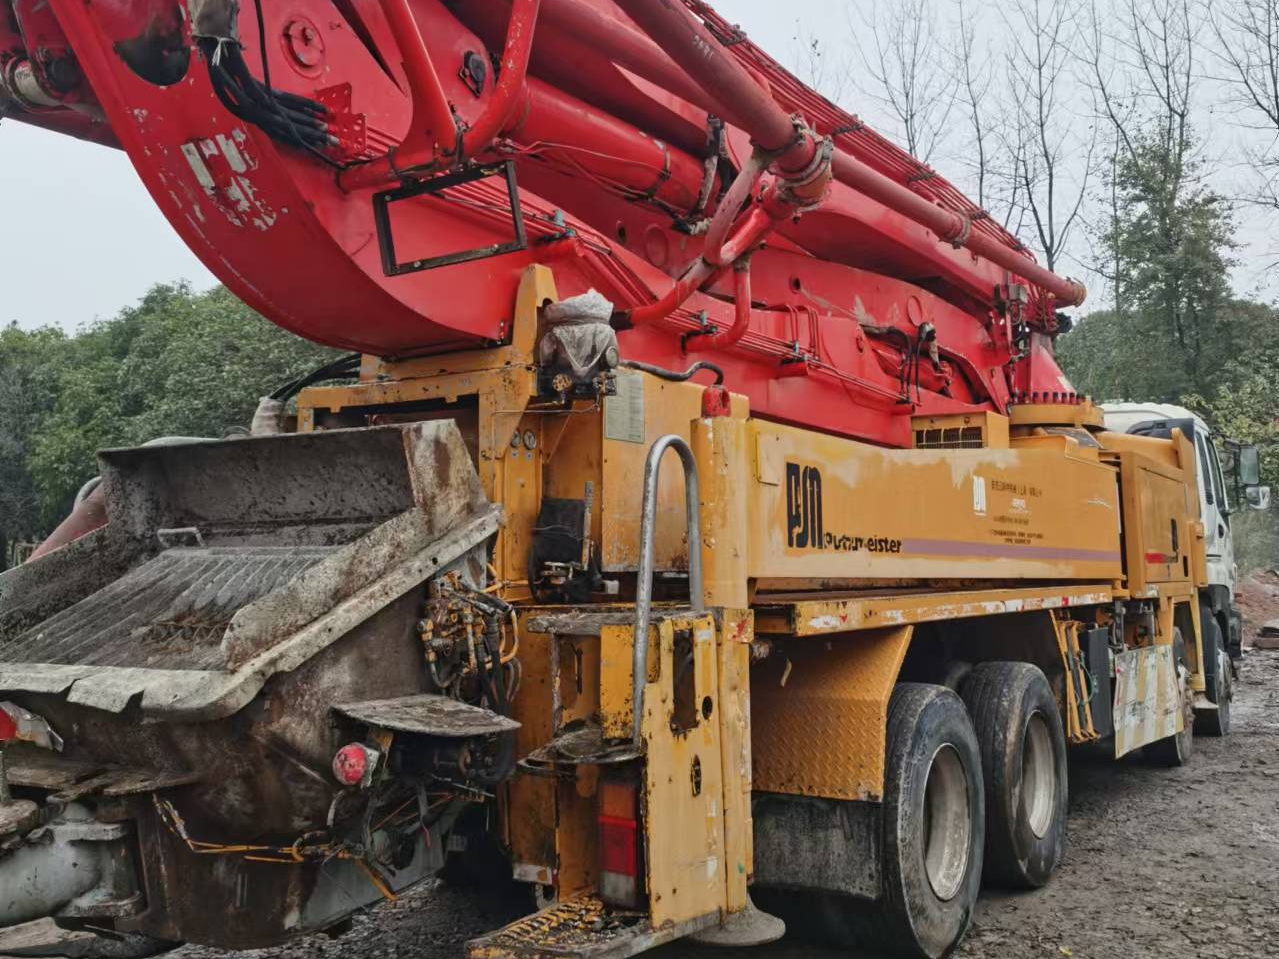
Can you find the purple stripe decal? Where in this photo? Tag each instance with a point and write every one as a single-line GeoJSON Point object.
{"type": "Point", "coordinates": [946, 547]}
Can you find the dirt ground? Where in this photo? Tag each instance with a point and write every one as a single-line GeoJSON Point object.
{"type": "Point", "coordinates": [1159, 864]}
{"type": "Point", "coordinates": [1258, 601]}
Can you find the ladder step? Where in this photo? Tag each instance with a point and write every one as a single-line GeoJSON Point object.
{"type": "Point", "coordinates": [581, 928]}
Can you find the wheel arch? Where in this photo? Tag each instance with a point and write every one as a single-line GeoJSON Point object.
{"type": "Point", "coordinates": [1027, 637]}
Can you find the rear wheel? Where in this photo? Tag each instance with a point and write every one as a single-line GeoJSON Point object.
{"type": "Point", "coordinates": [1215, 722]}
{"type": "Point", "coordinates": [1023, 753]}
{"type": "Point", "coordinates": [1175, 750]}
{"type": "Point", "coordinates": [933, 834]}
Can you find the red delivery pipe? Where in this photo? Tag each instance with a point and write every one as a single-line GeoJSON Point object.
{"type": "Point", "coordinates": [952, 227]}
{"type": "Point", "coordinates": [741, 316]}
{"type": "Point", "coordinates": [692, 46]}
{"type": "Point", "coordinates": [563, 129]}
{"type": "Point", "coordinates": [510, 82]}
{"type": "Point", "coordinates": [726, 214]}
{"type": "Point", "coordinates": [626, 46]}
{"type": "Point", "coordinates": [694, 278]}
{"type": "Point", "coordinates": [432, 127]}
{"type": "Point", "coordinates": [753, 227]}
{"type": "Point", "coordinates": [431, 139]}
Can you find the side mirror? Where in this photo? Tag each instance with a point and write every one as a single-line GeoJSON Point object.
{"type": "Point", "coordinates": [1249, 460]}
{"type": "Point", "coordinates": [1258, 497]}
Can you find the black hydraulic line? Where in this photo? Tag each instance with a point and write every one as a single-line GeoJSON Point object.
{"type": "Point", "coordinates": [671, 376]}
{"type": "Point", "coordinates": [341, 368]}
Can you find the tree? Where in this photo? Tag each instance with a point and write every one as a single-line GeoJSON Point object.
{"type": "Point", "coordinates": [993, 177]}
{"type": "Point", "coordinates": [814, 64]}
{"type": "Point", "coordinates": [27, 370]}
{"type": "Point", "coordinates": [1111, 356]}
{"type": "Point", "coordinates": [1247, 33]}
{"type": "Point", "coordinates": [1052, 149]}
{"type": "Point", "coordinates": [178, 363]}
{"type": "Point", "coordinates": [904, 60]}
{"type": "Point", "coordinates": [1247, 410]}
{"type": "Point", "coordinates": [1172, 237]}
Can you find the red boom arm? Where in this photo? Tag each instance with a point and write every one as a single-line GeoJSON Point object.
{"type": "Point", "coordinates": [660, 158]}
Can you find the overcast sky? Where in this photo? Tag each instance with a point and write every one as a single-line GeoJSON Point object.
{"type": "Point", "coordinates": [81, 237]}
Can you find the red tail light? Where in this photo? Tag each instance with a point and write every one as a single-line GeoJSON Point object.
{"type": "Point", "coordinates": [620, 845]}
{"type": "Point", "coordinates": [354, 765]}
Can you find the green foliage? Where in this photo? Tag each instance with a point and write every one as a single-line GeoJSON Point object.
{"type": "Point", "coordinates": [1175, 334]}
{"type": "Point", "coordinates": [178, 363]}
{"type": "Point", "coordinates": [1246, 407]}
{"type": "Point", "coordinates": [1170, 243]}
{"type": "Point", "coordinates": [1133, 356]}
{"type": "Point", "coordinates": [28, 370]}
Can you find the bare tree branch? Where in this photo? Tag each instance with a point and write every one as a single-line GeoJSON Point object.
{"type": "Point", "coordinates": [1247, 34]}
{"type": "Point", "coordinates": [905, 63]}
{"type": "Point", "coordinates": [815, 64]}
{"type": "Point", "coordinates": [1047, 134]}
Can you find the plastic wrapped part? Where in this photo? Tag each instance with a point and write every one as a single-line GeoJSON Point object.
{"type": "Point", "coordinates": [591, 307]}
{"type": "Point", "coordinates": [579, 339]}
{"type": "Point", "coordinates": [266, 418]}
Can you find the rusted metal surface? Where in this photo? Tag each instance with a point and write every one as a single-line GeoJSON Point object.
{"type": "Point", "coordinates": [583, 744]}
{"type": "Point", "coordinates": [581, 928]}
{"type": "Point", "coordinates": [821, 617]}
{"type": "Point", "coordinates": [289, 563]}
{"type": "Point", "coordinates": [297, 588]}
{"type": "Point", "coordinates": [44, 937]}
{"type": "Point", "coordinates": [429, 715]}
{"type": "Point", "coordinates": [71, 866]}
{"type": "Point", "coordinates": [169, 613]}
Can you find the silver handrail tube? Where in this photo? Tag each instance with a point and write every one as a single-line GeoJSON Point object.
{"type": "Point", "coordinates": [644, 585]}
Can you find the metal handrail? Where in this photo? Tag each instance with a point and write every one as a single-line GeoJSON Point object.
{"type": "Point", "coordinates": [644, 586]}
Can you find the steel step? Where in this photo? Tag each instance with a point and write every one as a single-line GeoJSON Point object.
{"type": "Point", "coordinates": [580, 928]}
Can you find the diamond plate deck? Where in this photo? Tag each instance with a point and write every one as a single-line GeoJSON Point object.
{"type": "Point", "coordinates": [819, 716]}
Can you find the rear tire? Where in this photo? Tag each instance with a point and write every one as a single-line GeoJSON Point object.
{"type": "Point", "coordinates": [1216, 722]}
{"type": "Point", "coordinates": [1175, 750]}
{"type": "Point", "coordinates": [934, 827]}
{"type": "Point", "coordinates": [1023, 753]}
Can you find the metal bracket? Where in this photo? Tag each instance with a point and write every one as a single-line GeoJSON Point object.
{"type": "Point", "coordinates": [183, 536]}
{"type": "Point", "coordinates": [391, 266]}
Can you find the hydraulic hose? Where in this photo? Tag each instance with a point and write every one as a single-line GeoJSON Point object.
{"type": "Point", "coordinates": [671, 376]}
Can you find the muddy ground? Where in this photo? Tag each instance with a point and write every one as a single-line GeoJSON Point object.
{"type": "Point", "coordinates": [1159, 864]}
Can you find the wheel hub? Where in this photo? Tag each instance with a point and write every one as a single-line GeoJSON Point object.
{"type": "Point", "coordinates": [947, 823]}
{"type": "Point", "coordinates": [1038, 776]}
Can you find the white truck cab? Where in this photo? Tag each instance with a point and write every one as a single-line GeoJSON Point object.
{"type": "Point", "coordinates": [1221, 492]}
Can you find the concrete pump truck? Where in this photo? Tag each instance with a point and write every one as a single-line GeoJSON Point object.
{"type": "Point", "coordinates": [700, 523]}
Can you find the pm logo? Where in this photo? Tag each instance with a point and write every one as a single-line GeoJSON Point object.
{"type": "Point", "coordinates": [804, 507]}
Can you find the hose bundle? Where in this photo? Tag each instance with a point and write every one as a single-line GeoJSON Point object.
{"type": "Point", "coordinates": [285, 117]}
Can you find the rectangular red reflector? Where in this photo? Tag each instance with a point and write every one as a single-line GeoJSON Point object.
{"type": "Point", "coordinates": [619, 846]}
{"type": "Point", "coordinates": [621, 856]}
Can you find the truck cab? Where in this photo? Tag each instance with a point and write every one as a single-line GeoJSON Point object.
{"type": "Point", "coordinates": [1222, 491]}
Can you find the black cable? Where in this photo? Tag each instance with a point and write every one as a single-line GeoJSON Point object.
{"type": "Point", "coordinates": [339, 369]}
{"type": "Point", "coordinates": [266, 82]}
{"type": "Point", "coordinates": [287, 117]}
{"type": "Point", "coordinates": [671, 376]}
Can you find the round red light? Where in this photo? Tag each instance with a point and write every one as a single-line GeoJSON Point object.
{"type": "Point", "coordinates": [352, 763]}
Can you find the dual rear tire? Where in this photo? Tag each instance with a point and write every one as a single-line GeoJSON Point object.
{"type": "Point", "coordinates": [974, 787]}
{"type": "Point", "coordinates": [1023, 750]}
